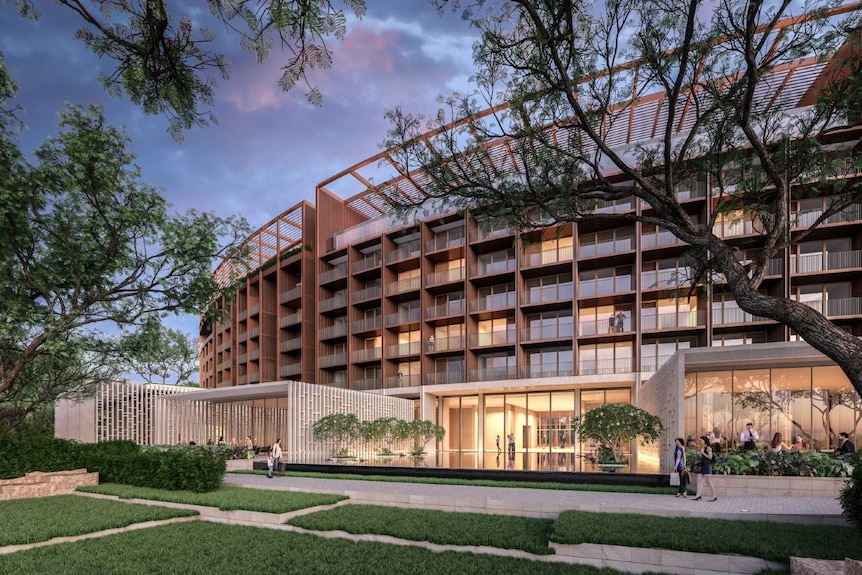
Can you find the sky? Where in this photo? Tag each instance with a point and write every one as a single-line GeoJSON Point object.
{"type": "Point", "coordinates": [270, 148]}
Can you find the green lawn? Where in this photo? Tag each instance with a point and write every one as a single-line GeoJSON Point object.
{"type": "Point", "coordinates": [225, 498]}
{"type": "Point", "coordinates": [33, 520]}
{"type": "Point", "coordinates": [443, 527]}
{"type": "Point", "coordinates": [203, 548]}
{"type": "Point", "coordinates": [768, 540]}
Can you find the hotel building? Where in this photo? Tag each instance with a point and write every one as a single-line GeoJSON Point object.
{"type": "Point", "coordinates": [494, 332]}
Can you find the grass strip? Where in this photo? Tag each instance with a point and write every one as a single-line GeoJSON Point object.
{"type": "Point", "coordinates": [225, 498]}
{"type": "Point", "coordinates": [442, 527]}
{"type": "Point", "coordinates": [33, 520]}
{"type": "Point", "coordinates": [475, 482]}
{"type": "Point", "coordinates": [204, 548]}
{"type": "Point", "coordinates": [764, 539]}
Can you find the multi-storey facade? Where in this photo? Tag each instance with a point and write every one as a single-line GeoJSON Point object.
{"type": "Point", "coordinates": [493, 331]}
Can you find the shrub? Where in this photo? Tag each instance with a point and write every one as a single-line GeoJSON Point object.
{"type": "Point", "coordinates": [851, 495]}
{"type": "Point", "coordinates": [782, 463]}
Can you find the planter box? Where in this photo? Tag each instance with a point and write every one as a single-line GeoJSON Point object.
{"type": "Point", "coordinates": [42, 484]}
{"type": "Point", "coordinates": [763, 486]}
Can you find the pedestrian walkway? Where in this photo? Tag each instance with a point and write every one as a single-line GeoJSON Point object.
{"type": "Point", "coordinates": [550, 502]}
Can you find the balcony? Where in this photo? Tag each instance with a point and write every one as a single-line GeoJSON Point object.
{"type": "Point", "coordinates": [366, 294]}
{"type": "Point", "coordinates": [367, 384]}
{"type": "Point", "coordinates": [332, 303]}
{"type": "Point", "coordinates": [290, 295]}
{"type": "Point", "coordinates": [563, 369]}
{"type": "Point", "coordinates": [482, 233]}
{"type": "Point", "coordinates": [850, 306]}
{"type": "Point", "coordinates": [653, 363]}
{"type": "Point", "coordinates": [404, 316]}
{"type": "Point", "coordinates": [452, 308]}
{"type": "Point", "coordinates": [404, 349]}
{"type": "Point", "coordinates": [821, 262]}
{"type": "Point", "coordinates": [546, 257]}
{"type": "Point", "coordinates": [491, 268]}
{"type": "Point", "coordinates": [333, 359]}
{"type": "Point", "coordinates": [444, 277]}
{"type": "Point", "coordinates": [732, 315]}
{"type": "Point", "coordinates": [254, 377]}
{"type": "Point", "coordinates": [336, 273]}
{"type": "Point", "coordinates": [666, 279]}
{"type": "Point", "coordinates": [547, 294]}
{"type": "Point", "coordinates": [404, 380]}
{"type": "Point", "coordinates": [604, 286]}
{"type": "Point", "coordinates": [370, 261]}
{"type": "Point", "coordinates": [443, 242]}
{"type": "Point", "coordinates": [441, 344]}
{"type": "Point", "coordinates": [605, 366]}
{"type": "Point", "coordinates": [252, 311]}
{"type": "Point", "coordinates": [290, 319]}
{"type": "Point", "coordinates": [659, 239]}
{"type": "Point", "coordinates": [443, 377]}
{"type": "Point", "coordinates": [681, 319]}
{"type": "Point", "coordinates": [290, 369]}
{"type": "Point", "coordinates": [291, 344]}
{"type": "Point", "coordinates": [493, 338]}
{"type": "Point", "coordinates": [740, 227]}
{"type": "Point", "coordinates": [590, 327]}
{"type": "Point", "coordinates": [337, 330]}
{"type": "Point", "coordinates": [805, 219]}
{"type": "Point", "coordinates": [547, 332]}
{"type": "Point", "coordinates": [404, 252]}
{"type": "Point", "coordinates": [368, 354]}
{"type": "Point", "coordinates": [606, 247]}
{"type": "Point", "coordinates": [403, 286]}
{"type": "Point", "coordinates": [615, 206]}
{"type": "Point", "coordinates": [493, 302]}
{"type": "Point", "coordinates": [494, 373]}
{"type": "Point", "coordinates": [367, 324]}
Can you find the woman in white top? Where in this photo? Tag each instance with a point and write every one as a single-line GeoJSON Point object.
{"type": "Point", "coordinates": [777, 444]}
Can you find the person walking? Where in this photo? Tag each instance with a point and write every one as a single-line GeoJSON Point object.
{"type": "Point", "coordinates": [704, 472]}
{"type": "Point", "coordinates": [679, 465]}
{"type": "Point", "coordinates": [499, 449]}
{"type": "Point", "coordinates": [276, 459]}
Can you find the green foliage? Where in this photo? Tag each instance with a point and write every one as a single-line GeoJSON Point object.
{"type": "Point", "coordinates": [770, 540]}
{"type": "Point", "coordinates": [851, 495]}
{"type": "Point", "coordinates": [339, 428]}
{"type": "Point", "coordinates": [115, 461]}
{"type": "Point", "coordinates": [441, 527]}
{"type": "Point", "coordinates": [782, 463]}
{"type": "Point", "coordinates": [422, 431]}
{"type": "Point", "coordinates": [159, 354]}
{"type": "Point", "coordinates": [41, 519]}
{"type": "Point", "coordinates": [613, 425]}
{"type": "Point", "coordinates": [87, 243]}
{"type": "Point", "coordinates": [225, 498]}
{"type": "Point", "coordinates": [385, 429]}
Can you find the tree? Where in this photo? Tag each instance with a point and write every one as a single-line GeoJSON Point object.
{"type": "Point", "coordinates": [339, 428]}
{"type": "Point", "coordinates": [87, 248]}
{"type": "Point", "coordinates": [164, 63]}
{"type": "Point", "coordinates": [614, 425]}
{"type": "Point", "coordinates": [546, 139]}
{"type": "Point", "coordinates": [385, 429]}
{"type": "Point", "coordinates": [159, 354]}
{"type": "Point", "coordinates": [423, 431]}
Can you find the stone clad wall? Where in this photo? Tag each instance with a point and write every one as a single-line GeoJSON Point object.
{"type": "Point", "coordinates": [662, 395]}
{"type": "Point", "coordinates": [45, 484]}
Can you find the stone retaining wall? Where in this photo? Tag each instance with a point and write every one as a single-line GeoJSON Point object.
{"type": "Point", "coordinates": [44, 484]}
{"type": "Point", "coordinates": [759, 485]}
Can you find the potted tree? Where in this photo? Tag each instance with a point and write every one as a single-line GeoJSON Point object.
{"type": "Point", "coordinates": [422, 431]}
{"type": "Point", "coordinates": [385, 429]}
{"type": "Point", "coordinates": [339, 428]}
{"type": "Point", "coordinates": [613, 425]}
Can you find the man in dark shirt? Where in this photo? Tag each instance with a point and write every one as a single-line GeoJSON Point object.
{"type": "Point", "coordinates": [845, 446]}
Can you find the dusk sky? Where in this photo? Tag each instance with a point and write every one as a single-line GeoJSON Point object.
{"type": "Point", "coordinates": [270, 148]}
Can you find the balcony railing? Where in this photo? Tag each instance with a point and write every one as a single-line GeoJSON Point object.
{"type": "Point", "coordinates": [494, 373]}
{"type": "Point", "coordinates": [653, 363]}
{"type": "Point", "coordinates": [659, 239]}
{"type": "Point", "coordinates": [492, 302]}
{"type": "Point", "coordinates": [729, 315]}
{"type": "Point", "coordinates": [366, 294]}
{"type": "Point", "coordinates": [547, 294]}
{"type": "Point", "coordinates": [368, 262]}
{"type": "Point", "coordinates": [602, 286]}
{"type": "Point", "coordinates": [838, 307]}
{"type": "Point", "coordinates": [543, 332]}
{"type": "Point", "coordinates": [404, 316]}
{"type": "Point", "coordinates": [821, 262]}
{"type": "Point", "coordinates": [507, 337]}
{"type": "Point", "coordinates": [549, 256]}
{"type": "Point", "coordinates": [338, 272]}
{"type": "Point", "coordinates": [563, 369]}
{"type": "Point", "coordinates": [605, 247]}
{"type": "Point", "coordinates": [290, 295]}
{"type": "Point", "coordinates": [589, 327]}
{"type": "Point", "coordinates": [369, 354]}
{"type": "Point", "coordinates": [367, 324]}
{"type": "Point", "coordinates": [442, 242]}
{"type": "Point", "coordinates": [403, 286]}
{"type": "Point", "coordinates": [404, 252]}
{"type": "Point", "coordinates": [254, 377]}
{"type": "Point", "coordinates": [291, 369]}
{"type": "Point", "coordinates": [337, 330]}
{"type": "Point", "coordinates": [333, 359]}
{"type": "Point", "coordinates": [670, 278]}
{"type": "Point", "coordinates": [693, 318]}
{"type": "Point", "coordinates": [615, 206]}
{"type": "Point", "coordinates": [445, 276]}
{"type": "Point", "coordinates": [252, 311]}
{"type": "Point", "coordinates": [443, 377]}
{"type": "Point", "coordinates": [405, 380]}
{"type": "Point", "coordinates": [445, 310]}
{"type": "Point", "coordinates": [291, 319]}
{"type": "Point", "coordinates": [490, 268]}
{"type": "Point", "coordinates": [805, 219]}
{"type": "Point", "coordinates": [367, 383]}
{"type": "Point", "coordinates": [291, 344]}
{"type": "Point", "coordinates": [403, 349]}
{"type": "Point", "coordinates": [332, 303]}
{"type": "Point", "coordinates": [604, 366]}
{"type": "Point", "coordinates": [455, 342]}
{"type": "Point", "coordinates": [483, 233]}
